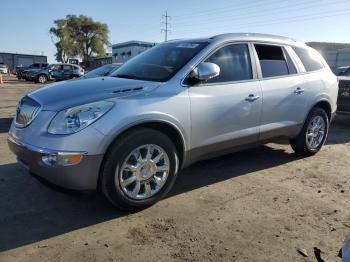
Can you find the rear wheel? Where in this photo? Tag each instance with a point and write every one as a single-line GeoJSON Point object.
{"type": "Point", "coordinates": [42, 79]}
{"type": "Point", "coordinates": [313, 135]}
{"type": "Point", "coordinates": [139, 169]}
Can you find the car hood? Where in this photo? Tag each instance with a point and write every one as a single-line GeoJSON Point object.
{"type": "Point", "coordinates": [71, 93]}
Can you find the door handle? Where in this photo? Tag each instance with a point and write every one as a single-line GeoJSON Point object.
{"type": "Point", "coordinates": [299, 90]}
{"type": "Point", "coordinates": [252, 98]}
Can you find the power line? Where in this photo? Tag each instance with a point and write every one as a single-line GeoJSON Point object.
{"type": "Point", "coordinates": [263, 13]}
{"type": "Point", "coordinates": [232, 7]}
{"type": "Point", "coordinates": [286, 9]}
{"type": "Point", "coordinates": [166, 23]}
{"type": "Point", "coordinates": [281, 21]}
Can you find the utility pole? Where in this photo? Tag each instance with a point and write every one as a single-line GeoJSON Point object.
{"type": "Point", "coordinates": [167, 25]}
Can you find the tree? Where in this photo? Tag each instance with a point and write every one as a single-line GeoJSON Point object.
{"type": "Point", "coordinates": [64, 43]}
{"type": "Point", "coordinates": [79, 36]}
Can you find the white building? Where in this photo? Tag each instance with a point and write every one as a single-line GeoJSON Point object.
{"type": "Point", "coordinates": [122, 52]}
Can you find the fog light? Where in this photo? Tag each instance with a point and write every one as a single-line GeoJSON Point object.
{"type": "Point", "coordinates": [56, 160]}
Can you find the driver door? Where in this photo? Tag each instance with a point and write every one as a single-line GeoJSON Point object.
{"type": "Point", "coordinates": [225, 110]}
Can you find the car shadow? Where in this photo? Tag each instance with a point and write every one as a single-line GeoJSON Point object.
{"type": "Point", "coordinates": [5, 124]}
{"type": "Point", "coordinates": [31, 212]}
{"type": "Point", "coordinates": [339, 132]}
{"type": "Point", "coordinates": [215, 170]}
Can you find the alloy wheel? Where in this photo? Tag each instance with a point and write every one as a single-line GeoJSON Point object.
{"type": "Point", "coordinates": [42, 79]}
{"type": "Point", "coordinates": [144, 172]}
{"type": "Point", "coordinates": [315, 132]}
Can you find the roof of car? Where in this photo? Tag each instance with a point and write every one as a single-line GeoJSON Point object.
{"type": "Point", "coordinates": [248, 37]}
{"type": "Point", "coordinates": [64, 64]}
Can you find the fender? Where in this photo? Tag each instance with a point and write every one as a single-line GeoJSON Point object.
{"type": "Point", "coordinates": [146, 119]}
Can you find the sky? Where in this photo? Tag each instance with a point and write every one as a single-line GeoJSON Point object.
{"type": "Point", "coordinates": [26, 24]}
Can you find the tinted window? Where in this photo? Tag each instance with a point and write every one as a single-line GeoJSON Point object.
{"type": "Point", "coordinates": [234, 63]}
{"type": "Point", "coordinates": [310, 59]}
{"type": "Point", "coordinates": [272, 60]}
{"type": "Point", "coordinates": [160, 63]}
{"type": "Point", "coordinates": [66, 67]}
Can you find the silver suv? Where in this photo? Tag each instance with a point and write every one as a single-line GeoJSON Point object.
{"type": "Point", "coordinates": [128, 135]}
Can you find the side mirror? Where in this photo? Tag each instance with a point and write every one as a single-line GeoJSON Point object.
{"type": "Point", "coordinates": [206, 71]}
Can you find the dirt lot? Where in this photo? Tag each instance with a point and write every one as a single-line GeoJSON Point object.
{"type": "Point", "coordinates": [258, 205]}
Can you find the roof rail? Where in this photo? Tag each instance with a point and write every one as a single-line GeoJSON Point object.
{"type": "Point", "coordinates": [275, 37]}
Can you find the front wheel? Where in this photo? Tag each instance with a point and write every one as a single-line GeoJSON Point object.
{"type": "Point", "coordinates": [42, 79]}
{"type": "Point", "coordinates": [313, 135]}
{"type": "Point", "coordinates": [139, 169]}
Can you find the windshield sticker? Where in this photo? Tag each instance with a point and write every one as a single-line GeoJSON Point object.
{"type": "Point", "coordinates": [187, 45]}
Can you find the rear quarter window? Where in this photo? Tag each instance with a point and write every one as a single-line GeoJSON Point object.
{"type": "Point", "coordinates": [309, 58]}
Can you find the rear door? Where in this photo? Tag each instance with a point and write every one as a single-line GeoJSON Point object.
{"type": "Point", "coordinates": [67, 72]}
{"type": "Point", "coordinates": [285, 91]}
{"type": "Point", "coordinates": [225, 110]}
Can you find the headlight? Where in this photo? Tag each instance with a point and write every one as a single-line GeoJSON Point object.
{"type": "Point", "coordinates": [74, 119]}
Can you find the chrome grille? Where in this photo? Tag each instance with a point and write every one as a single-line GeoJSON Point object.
{"type": "Point", "coordinates": [27, 110]}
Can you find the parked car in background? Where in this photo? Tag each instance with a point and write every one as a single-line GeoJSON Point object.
{"type": "Point", "coordinates": [104, 70]}
{"type": "Point", "coordinates": [42, 75]}
{"type": "Point", "coordinates": [23, 71]}
{"type": "Point", "coordinates": [340, 70]}
{"type": "Point", "coordinates": [344, 90]}
{"type": "Point", "coordinates": [3, 69]}
{"type": "Point", "coordinates": [66, 72]}
{"type": "Point", "coordinates": [128, 135]}
{"type": "Point", "coordinates": [17, 69]}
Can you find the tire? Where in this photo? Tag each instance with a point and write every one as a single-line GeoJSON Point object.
{"type": "Point", "coordinates": [301, 144]}
{"type": "Point", "coordinates": [114, 169]}
{"type": "Point", "coordinates": [42, 79]}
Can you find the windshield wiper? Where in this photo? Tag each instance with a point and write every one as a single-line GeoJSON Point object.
{"type": "Point", "coordinates": [127, 76]}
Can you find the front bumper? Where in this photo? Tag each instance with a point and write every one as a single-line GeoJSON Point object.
{"type": "Point", "coordinates": [82, 176]}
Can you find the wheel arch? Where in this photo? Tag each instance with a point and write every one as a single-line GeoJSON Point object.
{"type": "Point", "coordinates": [169, 129]}
{"type": "Point", "coordinates": [325, 105]}
{"type": "Point", "coordinates": [41, 74]}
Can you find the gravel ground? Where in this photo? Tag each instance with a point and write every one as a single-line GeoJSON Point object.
{"type": "Point", "coordinates": [261, 204]}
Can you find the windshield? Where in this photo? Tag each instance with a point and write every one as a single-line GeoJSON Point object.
{"type": "Point", "coordinates": [101, 71]}
{"type": "Point", "coordinates": [161, 62]}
